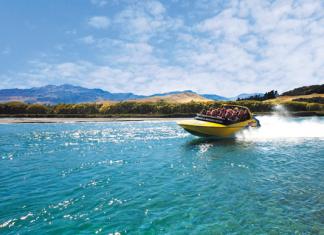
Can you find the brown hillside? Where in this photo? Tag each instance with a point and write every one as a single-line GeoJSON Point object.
{"type": "Point", "coordinates": [175, 98]}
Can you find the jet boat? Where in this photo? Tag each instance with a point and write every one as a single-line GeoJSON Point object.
{"type": "Point", "coordinates": [211, 126]}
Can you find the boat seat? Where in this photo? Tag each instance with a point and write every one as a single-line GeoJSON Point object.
{"type": "Point", "coordinates": [208, 118]}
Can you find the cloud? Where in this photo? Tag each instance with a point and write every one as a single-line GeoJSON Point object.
{"type": "Point", "coordinates": [225, 25]}
{"type": "Point", "coordinates": [155, 8]}
{"type": "Point", "coordinates": [233, 47]}
{"type": "Point", "coordinates": [146, 20]}
{"type": "Point", "coordinates": [88, 39]}
{"type": "Point", "coordinates": [99, 3]}
{"type": "Point", "coordinates": [99, 22]}
{"type": "Point", "coordinates": [270, 45]}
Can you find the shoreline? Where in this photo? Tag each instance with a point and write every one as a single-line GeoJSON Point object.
{"type": "Point", "coordinates": [31, 120]}
{"type": "Point", "coordinates": [82, 120]}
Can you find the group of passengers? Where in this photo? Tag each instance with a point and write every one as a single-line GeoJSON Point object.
{"type": "Point", "coordinates": [233, 114]}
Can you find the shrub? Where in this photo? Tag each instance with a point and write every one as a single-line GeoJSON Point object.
{"type": "Point", "coordinates": [14, 107]}
{"type": "Point", "coordinates": [85, 108]}
{"type": "Point", "coordinates": [315, 107]}
{"type": "Point", "coordinates": [147, 108]}
{"type": "Point", "coordinates": [37, 109]}
{"type": "Point", "coordinates": [62, 109]}
{"type": "Point", "coordinates": [295, 106]}
{"type": "Point", "coordinates": [319, 100]}
{"type": "Point", "coordinates": [105, 108]}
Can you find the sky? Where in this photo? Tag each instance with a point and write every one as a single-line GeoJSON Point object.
{"type": "Point", "coordinates": [223, 47]}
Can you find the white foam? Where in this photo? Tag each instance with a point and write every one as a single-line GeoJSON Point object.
{"type": "Point", "coordinates": [283, 127]}
{"type": "Point", "coordinates": [26, 216]}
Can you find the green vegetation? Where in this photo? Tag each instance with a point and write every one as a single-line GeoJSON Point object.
{"type": "Point", "coordinates": [306, 90]}
{"type": "Point", "coordinates": [105, 109]}
{"type": "Point", "coordinates": [13, 108]}
{"type": "Point", "coordinates": [319, 100]}
{"type": "Point", "coordinates": [294, 106]}
{"type": "Point", "coordinates": [132, 109]}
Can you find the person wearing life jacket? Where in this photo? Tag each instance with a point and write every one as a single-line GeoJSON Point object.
{"type": "Point", "coordinates": [228, 113]}
{"type": "Point", "coordinates": [240, 115]}
{"type": "Point", "coordinates": [221, 113]}
{"type": "Point", "coordinates": [218, 112]}
{"type": "Point", "coordinates": [212, 113]}
{"type": "Point", "coordinates": [235, 114]}
{"type": "Point", "coordinates": [245, 115]}
{"type": "Point", "coordinates": [203, 112]}
{"type": "Point", "coordinates": [208, 113]}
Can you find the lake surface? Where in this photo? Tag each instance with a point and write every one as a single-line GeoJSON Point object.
{"type": "Point", "coordinates": [154, 178]}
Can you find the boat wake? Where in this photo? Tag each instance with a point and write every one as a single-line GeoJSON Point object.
{"type": "Point", "coordinates": [282, 127]}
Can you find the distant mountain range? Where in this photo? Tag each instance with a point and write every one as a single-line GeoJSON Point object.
{"type": "Point", "coordinates": [66, 93]}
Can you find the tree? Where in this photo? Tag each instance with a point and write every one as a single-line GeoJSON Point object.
{"type": "Point", "coordinates": [37, 109]}
{"type": "Point", "coordinates": [105, 108]}
{"type": "Point", "coordinates": [14, 107]}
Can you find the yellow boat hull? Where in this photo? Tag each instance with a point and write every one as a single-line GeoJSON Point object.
{"type": "Point", "coordinates": [210, 129]}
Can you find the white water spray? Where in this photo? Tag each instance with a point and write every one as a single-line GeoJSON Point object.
{"type": "Point", "coordinates": [281, 126]}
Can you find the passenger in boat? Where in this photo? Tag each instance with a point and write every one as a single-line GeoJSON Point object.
{"type": "Point", "coordinates": [240, 115]}
{"type": "Point", "coordinates": [203, 112]}
{"type": "Point", "coordinates": [232, 114]}
{"type": "Point", "coordinates": [235, 114]}
{"type": "Point", "coordinates": [214, 112]}
{"type": "Point", "coordinates": [218, 112]}
{"type": "Point", "coordinates": [247, 116]}
{"type": "Point", "coordinates": [229, 113]}
{"type": "Point", "coordinates": [244, 115]}
{"type": "Point", "coordinates": [222, 113]}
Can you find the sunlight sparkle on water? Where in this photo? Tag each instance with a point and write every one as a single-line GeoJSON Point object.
{"type": "Point", "coordinates": [153, 177]}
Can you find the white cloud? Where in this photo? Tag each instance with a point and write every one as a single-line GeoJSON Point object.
{"type": "Point", "coordinates": [261, 45]}
{"type": "Point", "coordinates": [88, 39]}
{"type": "Point", "coordinates": [248, 46]}
{"type": "Point", "coordinates": [225, 25]}
{"type": "Point", "coordinates": [99, 3]}
{"type": "Point", "coordinates": [145, 20]}
{"type": "Point", "coordinates": [99, 22]}
{"type": "Point", "coordinates": [155, 8]}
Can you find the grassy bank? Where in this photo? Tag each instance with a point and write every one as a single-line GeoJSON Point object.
{"type": "Point", "coordinates": [146, 110]}
{"type": "Point", "coordinates": [176, 115]}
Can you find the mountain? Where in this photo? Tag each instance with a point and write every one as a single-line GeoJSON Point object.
{"type": "Point", "coordinates": [174, 97]}
{"type": "Point", "coordinates": [244, 96]}
{"type": "Point", "coordinates": [62, 94]}
{"type": "Point", "coordinates": [172, 93]}
{"type": "Point", "coordinates": [214, 97]}
{"type": "Point", "coordinates": [206, 96]}
{"type": "Point", "coordinates": [52, 94]}
{"type": "Point", "coordinates": [305, 90]}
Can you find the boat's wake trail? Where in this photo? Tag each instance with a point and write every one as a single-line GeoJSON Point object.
{"type": "Point", "coordinates": [278, 127]}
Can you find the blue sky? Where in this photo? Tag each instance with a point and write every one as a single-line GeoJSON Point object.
{"type": "Point", "coordinates": [209, 46]}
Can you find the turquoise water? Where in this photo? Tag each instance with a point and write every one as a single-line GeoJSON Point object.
{"type": "Point", "coordinates": [154, 178]}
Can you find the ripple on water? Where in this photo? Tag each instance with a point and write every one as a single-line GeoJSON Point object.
{"type": "Point", "coordinates": [152, 177]}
